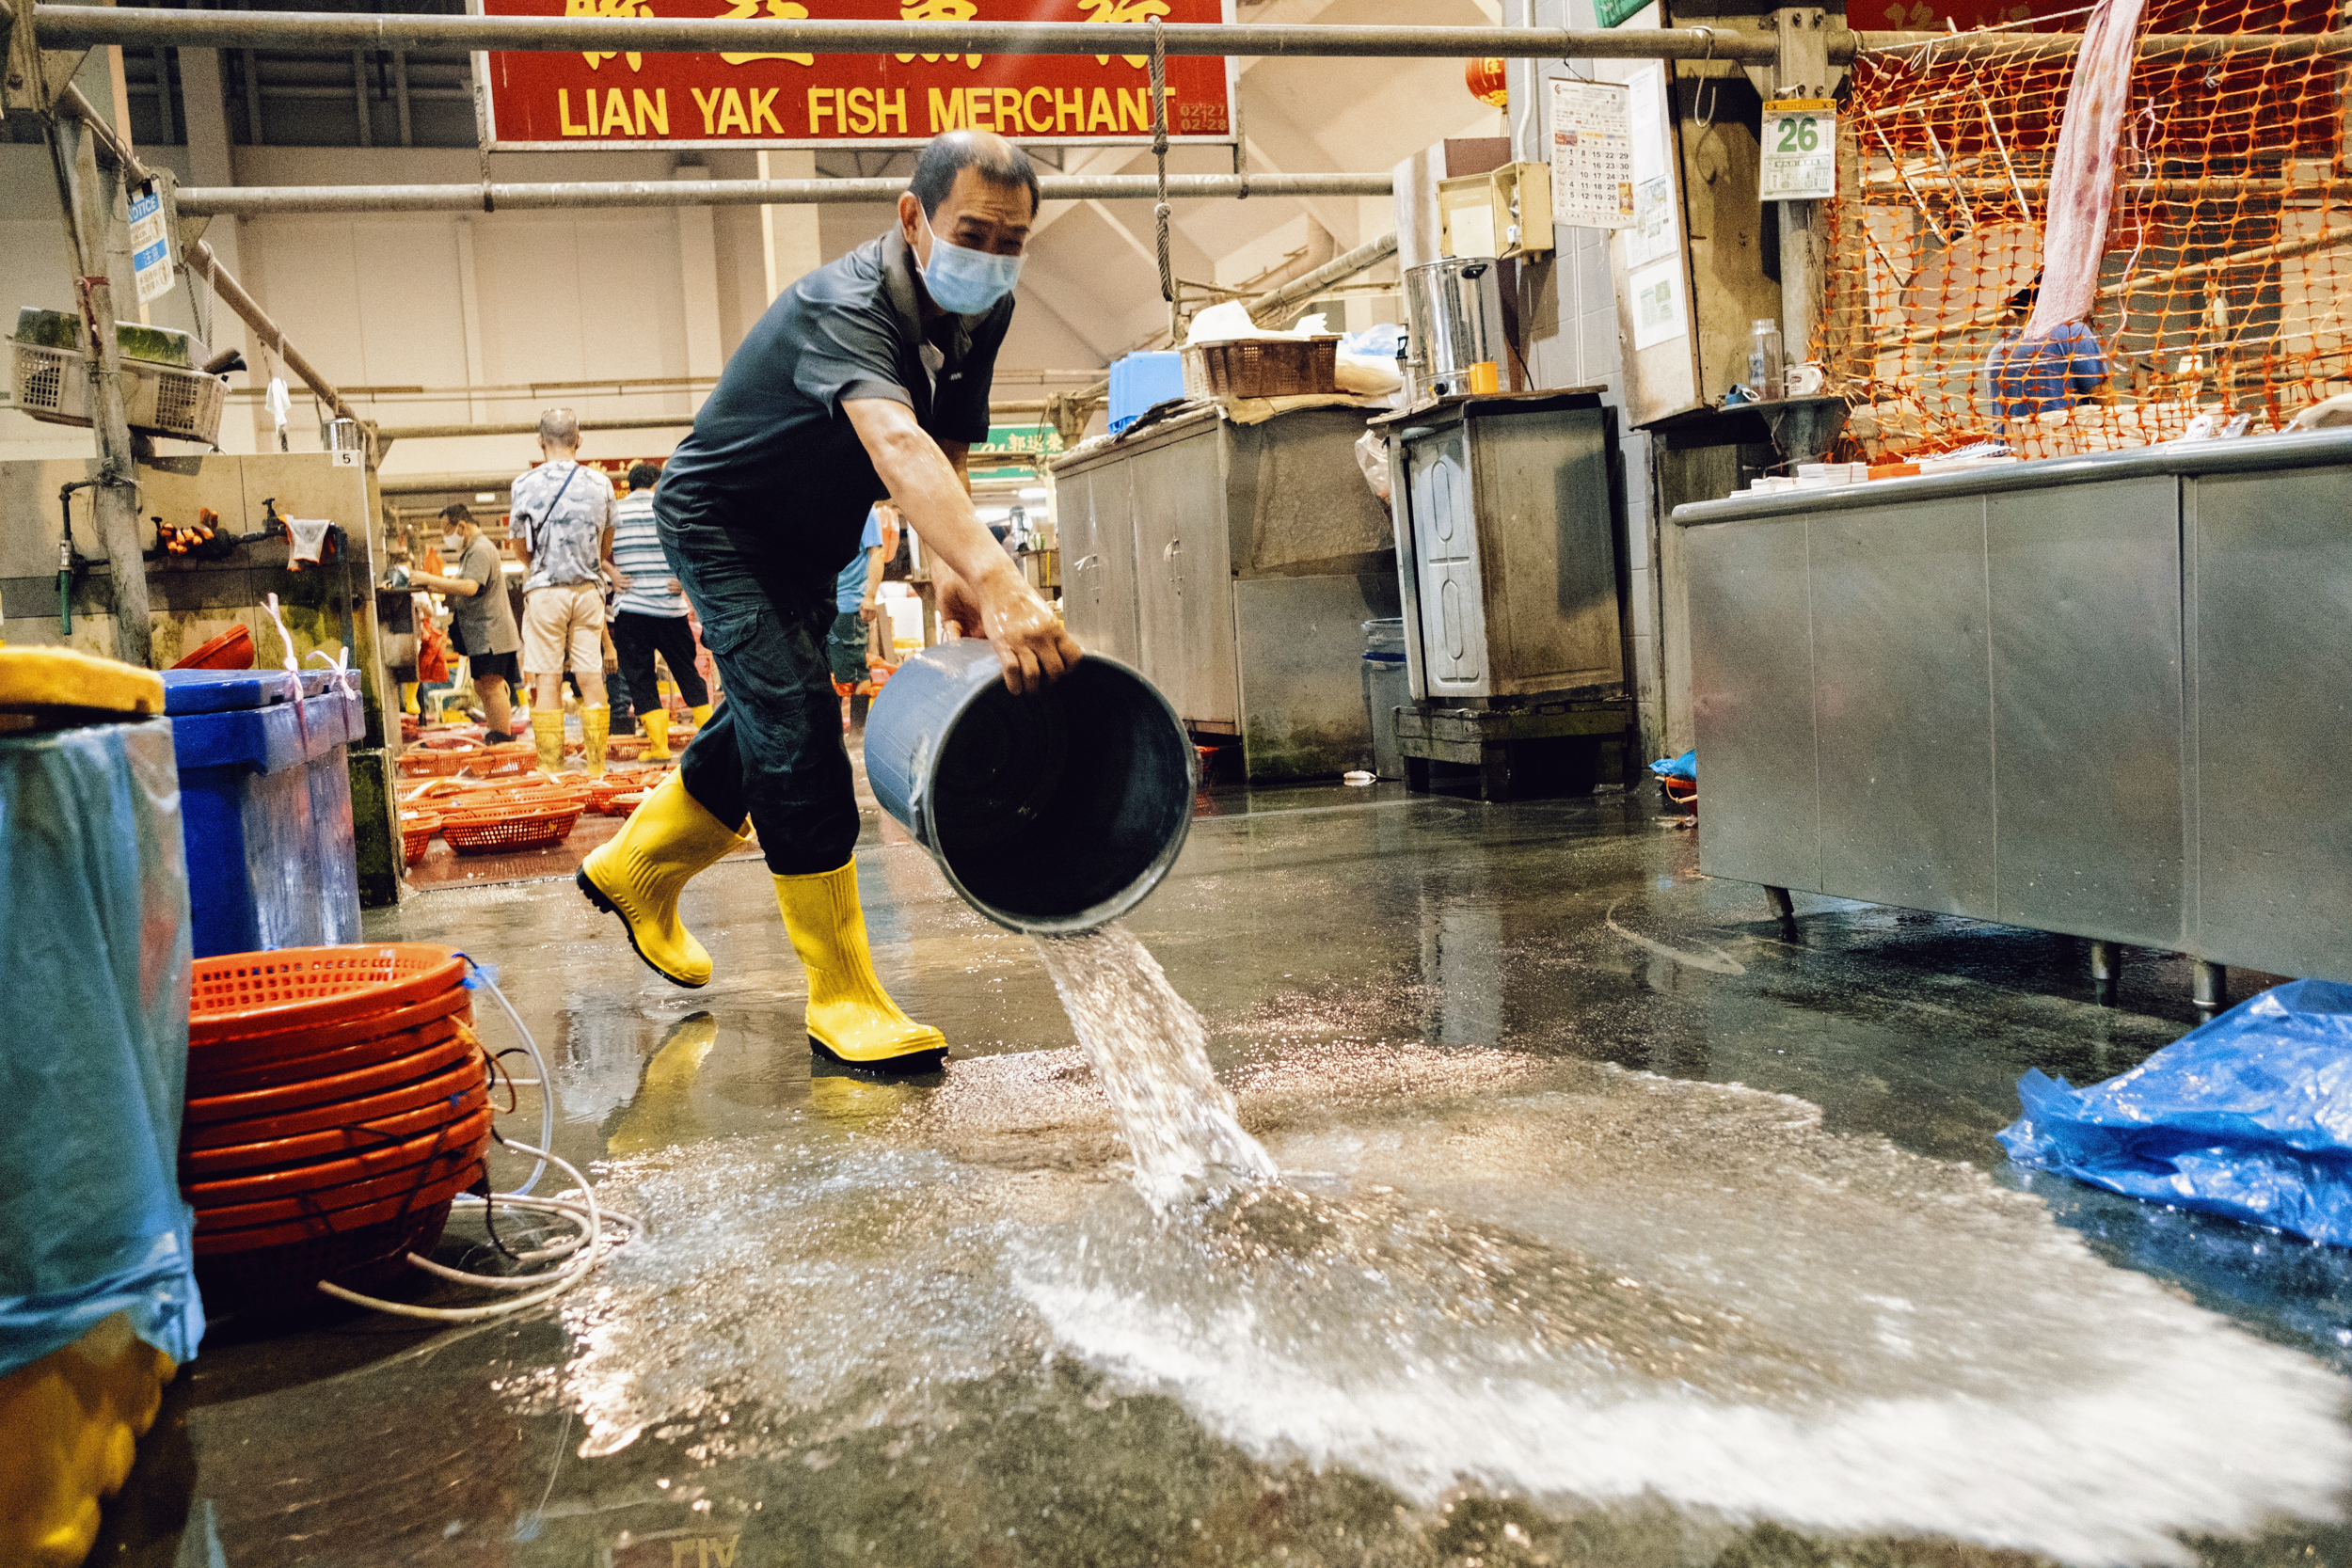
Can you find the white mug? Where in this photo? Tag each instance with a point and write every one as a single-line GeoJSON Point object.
{"type": "Point", "coordinates": [1805, 380]}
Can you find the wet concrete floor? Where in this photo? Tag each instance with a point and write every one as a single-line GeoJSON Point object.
{"type": "Point", "coordinates": [1542, 1287]}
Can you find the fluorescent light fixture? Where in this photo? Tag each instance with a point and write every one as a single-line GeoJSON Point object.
{"type": "Point", "coordinates": [513, 568]}
{"type": "Point", "coordinates": [486, 494]}
{"type": "Point", "coordinates": [993, 513]}
{"type": "Point", "coordinates": [1035, 493]}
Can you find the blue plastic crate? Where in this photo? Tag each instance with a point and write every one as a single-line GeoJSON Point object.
{"type": "Point", "coordinates": [266, 808]}
{"type": "Point", "coordinates": [1140, 380]}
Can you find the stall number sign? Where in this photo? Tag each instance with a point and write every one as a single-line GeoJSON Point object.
{"type": "Point", "coordinates": [1799, 150]}
{"type": "Point", "coordinates": [151, 247]}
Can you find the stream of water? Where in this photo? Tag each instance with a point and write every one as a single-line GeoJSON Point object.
{"type": "Point", "coordinates": [1150, 1052]}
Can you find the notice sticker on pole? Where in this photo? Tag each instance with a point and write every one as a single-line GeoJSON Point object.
{"type": "Point", "coordinates": [151, 244]}
{"type": "Point", "coordinates": [1799, 150]}
{"type": "Point", "coordinates": [1591, 154]}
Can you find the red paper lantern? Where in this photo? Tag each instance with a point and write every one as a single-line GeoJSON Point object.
{"type": "Point", "coordinates": [1485, 80]}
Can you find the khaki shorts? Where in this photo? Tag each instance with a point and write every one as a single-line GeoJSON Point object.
{"type": "Point", "coordinates": [561, 620]}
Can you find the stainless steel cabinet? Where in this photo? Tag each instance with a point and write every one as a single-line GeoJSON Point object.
{"type": "Point", "coordinates": [1234, 565]}
{"type": "Point", "coordinates": [2109, 696]}
{"type": "Point", "coordinates": [1504, 524]}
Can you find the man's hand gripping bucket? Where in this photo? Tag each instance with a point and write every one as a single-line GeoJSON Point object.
{"type": "Point", "coordinates": [1050, 813]}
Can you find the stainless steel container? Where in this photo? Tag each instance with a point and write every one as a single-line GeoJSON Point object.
{"type": "Point", "coordinates": [1454, 310]}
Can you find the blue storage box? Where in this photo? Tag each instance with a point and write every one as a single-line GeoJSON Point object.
{"type": "Point", "coordinates": [1140, 380]}
{"type": "Point", "coordinates": [266, 806]}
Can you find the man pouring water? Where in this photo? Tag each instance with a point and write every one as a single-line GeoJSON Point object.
{"type": "Point", "coordinates": [867, 378]}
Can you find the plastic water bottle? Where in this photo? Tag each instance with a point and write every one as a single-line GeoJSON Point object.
{"type": "Point", "coordinates": [1764, 367]}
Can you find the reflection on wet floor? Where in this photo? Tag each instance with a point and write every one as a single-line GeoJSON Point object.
{"type": "Point", "coordinates": [1541, 1285]}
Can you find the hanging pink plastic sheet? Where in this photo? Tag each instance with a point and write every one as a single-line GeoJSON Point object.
{"type": "Point", "coordinates": [2082, 175]}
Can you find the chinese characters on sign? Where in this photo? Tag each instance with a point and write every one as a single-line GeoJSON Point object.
{"type": "Point", "coordinates": [773, 97]}
{"type": "Point", "coordinates": [1592, 155]}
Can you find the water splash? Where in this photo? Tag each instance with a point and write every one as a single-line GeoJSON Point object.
{"type": "Point", "coordinates": [1151, 1052]}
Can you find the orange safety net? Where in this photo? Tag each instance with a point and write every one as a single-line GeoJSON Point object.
{"type": "Point", "coordinates": [2221, 289]}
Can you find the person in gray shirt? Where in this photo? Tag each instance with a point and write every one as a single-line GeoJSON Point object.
{"type": "Point", "coordinates": [482, 618]}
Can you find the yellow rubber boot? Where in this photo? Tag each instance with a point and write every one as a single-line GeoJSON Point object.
{"type": "Point", "coordinates": [408, 699]}
{"type": "Point", "coordinates": [639, 873]}
{"type": "Point", "coordinates": [702, 715]}
{"type": "Point", "coordinates": [851, 1018]}
{"type": "Point", "coordinates": [73, 1419]}
{"type": "Point", "coordinates": [657, 724]}
{"type": "Point", "coordinates": [596, 728]}
{"type": "Point", "coordinates": [546, 732]}
{"type": "Point", "coordinates": [659, 1116]}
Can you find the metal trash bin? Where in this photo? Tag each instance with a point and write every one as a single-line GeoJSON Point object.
{"type": "Point", "coordinates": [1387, 686]}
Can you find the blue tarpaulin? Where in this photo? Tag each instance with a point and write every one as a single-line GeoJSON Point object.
{"type": "Point", "coordinates": [94, 943]}
{"type": "Point", "coordinates": [1684, 766]}
{"type": "Point", "coordinates": [2249, 1116]}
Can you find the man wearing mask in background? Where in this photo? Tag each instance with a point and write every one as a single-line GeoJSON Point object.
{"type": "Point", "coordinates": [649, 617]}
{"type": "Point", "coordinates": [481, 621]}
{"type": "Point", "coordinates": [562, 513]}
{"type": "Point", "coordinates": [867, 378]}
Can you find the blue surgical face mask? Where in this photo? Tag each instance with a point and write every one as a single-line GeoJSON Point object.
{"type": "Point", "coordinates": [967, 282]}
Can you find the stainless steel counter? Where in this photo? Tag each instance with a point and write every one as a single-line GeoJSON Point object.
{"type": "Point", "coordinates": [1235, 565]}
{"type": "Point", "coordinates": [2109, 695]}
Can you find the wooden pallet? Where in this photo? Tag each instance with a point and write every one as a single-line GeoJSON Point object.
{"type": "Point", "coordinates": [1530, 748]}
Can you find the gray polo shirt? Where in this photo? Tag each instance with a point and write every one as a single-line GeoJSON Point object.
{"type": "Point", "coordinates": [483, 623]}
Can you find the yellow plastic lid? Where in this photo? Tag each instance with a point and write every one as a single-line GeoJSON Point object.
{"type": "Point", "coordinates": [32, 680]}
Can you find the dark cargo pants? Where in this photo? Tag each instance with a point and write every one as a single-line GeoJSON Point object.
{"type": "Point", "coordinates": [773, 749]}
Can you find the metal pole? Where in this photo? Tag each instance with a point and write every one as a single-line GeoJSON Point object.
{"type": "Point", "coordinates": [114, 503]}
{"type": "Point", "coordinates": [88, 26]}
{"type": "Point", "coordinates": [206, 266]}
{"type": "Point", "coordinates": [1307, 285]}
{"type": "Point", "coordinates": [256, 201]}
{"type": "Point", "coordinates": [202, 260]}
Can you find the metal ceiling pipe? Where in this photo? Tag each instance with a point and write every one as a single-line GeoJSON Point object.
{"type": "Point", "coordinates": [70, 27]}
{"type": "Point", "coordinates": [259, 200]}
{"type": "Point", "coordinates": [1307, 285]}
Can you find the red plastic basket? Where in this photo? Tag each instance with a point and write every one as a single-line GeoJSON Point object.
{"type": "Point", "coordinates": [501, 762]}
{"type": "Point", "coordinates": [442, 1046]}
{"type": "Point", "coordinates": [463, 1162]}
{"type": "Point", "coordinates": [527, 827]}
{"type": "Point", "coordinates": [318, 1175]}
{"type": "Point", "coordinates": [239, 994]}
{"type": "Point", "coordinates": [417, 829]}
{"type": "Point", "coordinates": [320, 1225]}
{"type": "Point", "coordinates": [423, 763]}
{"type": "Point", "coordinates": [445, 1086]}
{"type": "Point", "coordinates": [284, 1055]}
{"type": "Point", "coordinates": [349, 1139]}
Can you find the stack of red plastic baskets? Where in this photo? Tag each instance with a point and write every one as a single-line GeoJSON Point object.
{"type": "Point", "coordinates": [338, 1103]}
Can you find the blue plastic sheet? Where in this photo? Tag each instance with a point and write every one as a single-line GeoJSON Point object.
{"type": "Point", "coordinates": [1684, 766]}
{"type": "Point", "coordinates": [94, 943]}
{"type": "Point", "coordinates": [2248, 1116]}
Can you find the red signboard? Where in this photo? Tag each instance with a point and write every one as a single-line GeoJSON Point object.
{"type": "Point", "coordinates": [550, 102]}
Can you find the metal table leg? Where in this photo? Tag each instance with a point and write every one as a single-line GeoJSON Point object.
{"type": "Point", "coordinates": [2106, 961]}
{"type": "Point", "coordinates": [2209, 985]}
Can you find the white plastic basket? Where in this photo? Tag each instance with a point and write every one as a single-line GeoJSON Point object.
{"type": "Point", "coordinates": [51, 385]}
